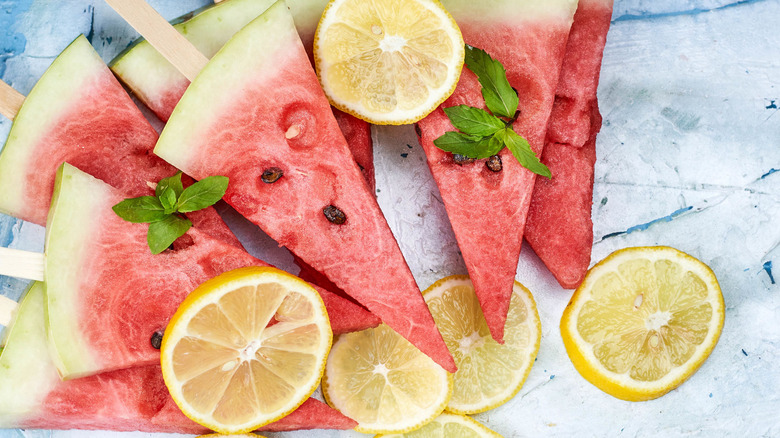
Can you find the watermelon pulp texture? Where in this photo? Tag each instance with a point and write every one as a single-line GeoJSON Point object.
{"type": "Point", "coordinates": [160, 86]}
{"type": "Point", "coordinates": [33, 396]}
{"type": "Point", "coordinates": [79, 113]}
{"type": "Point", "coordinates": [570, 122]}
{"type": "Point", "coordinates": [107, 294]}
{"type": "Point", "coordinates": [559, 226]}
{"type": "Point", "coordinates": [266, 106]}
{"type": "Point", "coordinates": [488, 209]}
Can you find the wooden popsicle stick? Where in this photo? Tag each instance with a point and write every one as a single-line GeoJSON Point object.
{"type": "Point", "coordinates": [21, 264]}
{"type": "Point", "coordinates": [10, 101]}
{"type": "Point", "coordinates": [161, 35]}
{"type": "Point", "coordinates": [7, 307]}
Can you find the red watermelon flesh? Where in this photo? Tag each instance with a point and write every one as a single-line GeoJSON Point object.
{"type": "Point", "coordinates": [102, 318]}
{"type": "Point", "coordinates": [95, 126]}
{"type": "Point", "coordinates": [33, 396]}
{"type": "Point", "coordinates": [488, 209]}
{"type": "Point", "coordinates": [559, 226]}
{"type": "Point", "coordinates": [570, 122]}
{"type": "Point", "coordinates": [266, 107]}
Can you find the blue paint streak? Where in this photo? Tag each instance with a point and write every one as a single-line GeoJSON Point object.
{"type": "Point", "coordinates": [771, 171]}
{"type": "Point", "coordinates": [11, 43]}
{"type": "Point", "coordinates": [695, 11]}
{"type": "Point", "coordinates": [768, 269]}
{"type": "Point", "coordinates": [669, 218]}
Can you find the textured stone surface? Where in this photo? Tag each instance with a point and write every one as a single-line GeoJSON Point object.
{"type": "Point", "coordinates": [687, 157]}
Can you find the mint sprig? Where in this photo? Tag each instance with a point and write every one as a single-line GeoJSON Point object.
{"type": "Point", "coordinates": [163, 211]}
{"type": "Point", "coordinates": [483, 134]}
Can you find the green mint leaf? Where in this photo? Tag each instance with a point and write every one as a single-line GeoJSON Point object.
{"type": "Point", "coordinates": [163, 233]}
{"type": "Point", "coordinates": [140, 210]}
{"type": "Point", "coordinates": [499, 96]}
{"type": "Point", "coordinates": [522, 151]}
{"type": "Point", "coordinates": [173, 182]}
{"type": "Point", "coordinates": [168, 200]}
{"type": "Point", "coordinates": [202, 194]}
{"type": "Point", "coordinates": [469, 145]}
{"type": "Point", "coordinates": [474, 121]}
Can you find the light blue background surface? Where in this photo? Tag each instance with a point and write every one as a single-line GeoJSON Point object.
{"type": "Point", "coordinates": [688, 157]}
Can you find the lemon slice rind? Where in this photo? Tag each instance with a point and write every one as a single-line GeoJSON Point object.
{"type": "Point", "coordinates": [621, 385]}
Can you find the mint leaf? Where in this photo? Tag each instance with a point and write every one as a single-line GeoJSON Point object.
{"type": "Point", "coordinates": [202, 194]}
{"type": "Point", "coordinates": [140, 210]}
{"type": "Point", "coordinates": [474, 121]}
{"type": "Point", "coordinates": [168, 200]}
{"type": "Point", "coordinates": [499, 96]}
{"type": "Point", "coordinates": [522, 151]}
{"type": "Point", "coordinates": [469, 145]}
{"type": "Point", "coordinates": [163, 233]}
{"type": "Point", "coordinates": [173, 182]}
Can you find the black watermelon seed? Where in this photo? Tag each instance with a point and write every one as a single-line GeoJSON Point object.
{"type": "Point", "coordinates": [494, 163]}
{"type": "Point", "coordinates": [334, 215]}
{"type": "Point", "coordinates": [157, 339]}
{"type": "Point", "coordinates": [462, 159]}
{"type": "Point", "coordinates": [271, 175]}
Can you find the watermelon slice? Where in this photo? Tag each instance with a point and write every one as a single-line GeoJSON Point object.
{"type": "Point", "coordinates": [33, 396]}
{"type": "Point", "coordinates": [159, 85]}
{"type": "Point", "coordinates": [559, 226]}
{"type": "Point", "coordinates": [78, 112]}
{"type": "Point", "coordinates": [488, 209]}
{"type": "Point", "coordinates": [258, 105]}
{"type": "Point", "coordinates": [570, 122]}
{"type": "Point", "coordinates": [107, 294]}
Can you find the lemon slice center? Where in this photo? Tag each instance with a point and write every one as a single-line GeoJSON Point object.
{"type": "Point", "coordinates": [470, 343]}
{"type": "Point", "coordinates": [657, 320]}
{"type": "Point", "coordinates": [392, 43]}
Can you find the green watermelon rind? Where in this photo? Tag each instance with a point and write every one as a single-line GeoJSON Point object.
{"type": "Point", "coordinates": [274, 30]}
{"type": "Point", "coordinates": [73, 221]}
{"type": "Point", "coordinates": [25, 371]}
{"type": "Point", "coordinates": [51, 96]}
{"type": "Point", "coordinates": [144, 70]}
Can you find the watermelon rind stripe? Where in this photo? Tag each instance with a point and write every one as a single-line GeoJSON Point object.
{"type": "Point", "coordinates": [52, 96]}
{"type": "Point", "coordinates": [144, 70]}
{"type": "Point", "coordinates": [278, 34]}
{"type": "Point", "coordinates": [25, 371]}
{"type": "Point", "coordinates": [78, 204]}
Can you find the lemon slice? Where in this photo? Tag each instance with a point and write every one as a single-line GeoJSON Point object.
{"type": "Point", "coordinates": [488, 373]}
{"type": "Point", "coordinates": [245, 349]}
{"type": "Point", "coordinates": [389, 62]}
{"type": "Point", "coordinates": [377, 378]}
{"type": "Point", "coordinates": [642, 321]}
{"type": "Point", "coordinates": [448, 426]}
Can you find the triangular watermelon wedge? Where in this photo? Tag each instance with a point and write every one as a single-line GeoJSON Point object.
{"type": "Point", "coordinates": [107, 294]}
{"type": "Point", "coordinates": [488, 209]}
{"type": "Point", "coordinates": [559, 226]}
{"type": "Point", "coordinates": [158, 84]}
{"type": "Point", "coordinates": [33, 396]}
{"type": "Point", "coordinates": [78, 112]}
{"type": "Point", "coordinates": [258, 105]}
